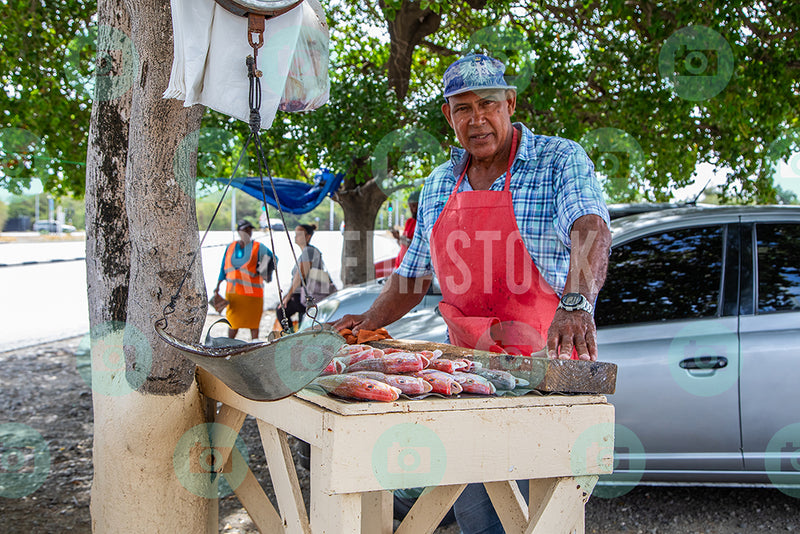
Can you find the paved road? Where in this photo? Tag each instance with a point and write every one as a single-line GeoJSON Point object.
{"type": "Point", "coordinates": [45, 300]}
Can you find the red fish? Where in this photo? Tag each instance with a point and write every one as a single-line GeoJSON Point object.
{"type": "Point", "coordinates": [469, 365]}
{"type": "Point", "coordinates": [448, 366]}
{"type": "Point", "coordinates": [333, 368]}
{"type": "Point", "coordinates": [357, 387]}
{"type": "Point", "coordinates": [472, 383]}
{"type": "Point", "coordinates": [346, 350]}
{"type": "Point", "coordinates": [410, 385]}
{"type": "Point", "coordinates": [366, 354]}
{"type": "Point", "coordinates": [393, 364]}
{"type": "Point", "coordinates": [443, 383]}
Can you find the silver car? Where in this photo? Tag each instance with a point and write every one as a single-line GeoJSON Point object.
{"type": "Point", "coordinates": [701, 312]}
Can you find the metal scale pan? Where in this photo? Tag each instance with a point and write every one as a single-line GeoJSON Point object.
{"type": "Point", "coordinates": [268, 8]}
{"type": "Point", "coordinates": [265, 371]}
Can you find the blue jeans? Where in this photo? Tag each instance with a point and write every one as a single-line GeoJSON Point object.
{"type": "Point", "coordinates": [475, 513]}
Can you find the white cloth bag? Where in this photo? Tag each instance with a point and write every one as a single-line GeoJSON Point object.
{"type": "Point", "coordinates": [209, 58]}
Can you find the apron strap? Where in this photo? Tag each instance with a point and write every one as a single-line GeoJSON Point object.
{"type": "Point", "coordinates": [511, 156]}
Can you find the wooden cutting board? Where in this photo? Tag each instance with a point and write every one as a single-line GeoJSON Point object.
{"type": "Point", "coordinates": [544, 374]}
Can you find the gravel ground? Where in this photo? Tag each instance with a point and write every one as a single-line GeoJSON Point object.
{"type": "Point", "coordinates": [40, 387]}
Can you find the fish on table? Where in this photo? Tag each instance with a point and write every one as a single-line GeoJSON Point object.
{"type": "Point", "coordinates": [499, 378]}
{"type": "Point", "coordinates": [473, 383]}
{"type": "Point", "coordinates": [394, 364]}
{"type": "Point", "coordinates": [351, 386]}
{"type": "Point", "coordinates": [442, 383]}
{"type": "Point", "coordinates": [410, 385]}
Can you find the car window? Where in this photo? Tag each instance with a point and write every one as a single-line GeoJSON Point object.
{"type": "Point", "coordinates": [778, 247]}
{"type": "Point", "coordinates": [659, 277]}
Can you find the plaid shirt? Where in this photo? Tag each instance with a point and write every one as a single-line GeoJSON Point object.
{"type": "Point", "coordinates": [552, 185]}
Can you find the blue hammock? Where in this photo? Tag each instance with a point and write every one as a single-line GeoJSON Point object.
{"type": "Point", "coordinates": [295, 196]}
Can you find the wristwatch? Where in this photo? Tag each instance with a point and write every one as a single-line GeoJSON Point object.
{"type": "Point", "coordinates": [574, 302]}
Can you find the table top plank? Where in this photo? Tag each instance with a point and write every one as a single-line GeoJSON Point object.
{"type": "Point", "coordinates": [438, 404]}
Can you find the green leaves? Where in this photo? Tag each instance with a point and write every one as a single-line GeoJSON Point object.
{"type": "Point", "coordinates": [579, 68]}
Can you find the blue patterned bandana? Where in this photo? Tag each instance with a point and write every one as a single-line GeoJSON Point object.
{"type": "Point", "coordinates": [474, 72]}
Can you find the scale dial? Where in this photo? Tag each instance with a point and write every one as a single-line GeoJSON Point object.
{"type": "Point", "coordinates": [269, 8]}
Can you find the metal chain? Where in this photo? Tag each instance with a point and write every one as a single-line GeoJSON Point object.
{"type": "Point", "coordinates": [254, 100]}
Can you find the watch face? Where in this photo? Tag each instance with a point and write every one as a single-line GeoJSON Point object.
{"type": "Point", "coordinates": [572, 299]}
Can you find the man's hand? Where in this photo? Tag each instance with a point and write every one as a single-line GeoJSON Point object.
{"type": "Point", "coordinates": [572, 329]}
{"type": "Point", "coordinates": [356, 323]}
{"type": "Point", "coordinates": [398, 296]}
{"type": "Point", "coordinates": [588, 261]}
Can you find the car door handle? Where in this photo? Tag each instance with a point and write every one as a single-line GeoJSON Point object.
{"type": "Point", "coordinates": [704, 362]}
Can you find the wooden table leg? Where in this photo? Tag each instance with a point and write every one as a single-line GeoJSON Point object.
{"type": "Point", "coordinates": [509, 504]}
{"type": "Point", "coordinates": [377, 512]}
{"type": "Point", "coordinates": [560, 509]}
{"type": "Point", "coordinates": [331, 513]}
{"type": "Point", "coordinates": [430, 509]}
{"type": "Point", "coordinates": [258, 506]}
{"type": "Point", "coordinates": [284, 478]}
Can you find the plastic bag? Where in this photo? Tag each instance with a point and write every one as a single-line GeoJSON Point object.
{"type": "Point", "coordinates": [308, 86]}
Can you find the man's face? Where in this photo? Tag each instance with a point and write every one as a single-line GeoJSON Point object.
{"type": "Point", "coordinates": [481, 120]}
{"type": "Point", "coordinates": [413, 206]}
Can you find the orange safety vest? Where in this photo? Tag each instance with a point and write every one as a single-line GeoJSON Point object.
{"type": "Point", "coordinates": [245, 280]}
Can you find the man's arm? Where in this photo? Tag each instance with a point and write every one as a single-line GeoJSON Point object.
{"type": "Point", "coordinates": [399, 295]}
{"type": "Point", "coordinates": [588, 262]}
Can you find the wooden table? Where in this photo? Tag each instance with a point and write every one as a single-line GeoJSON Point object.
{"type": "Point", "coordinates": [362, 451]}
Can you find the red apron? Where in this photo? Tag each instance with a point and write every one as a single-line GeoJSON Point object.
{"type": "Point", "coordinates": [494, 297]}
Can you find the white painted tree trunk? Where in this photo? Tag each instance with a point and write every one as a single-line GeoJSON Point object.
{"type": "Point", "coordinates": [142, 230]}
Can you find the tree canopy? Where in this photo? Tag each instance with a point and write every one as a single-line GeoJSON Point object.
{"type": "Point", "coordinates": [649, 90]}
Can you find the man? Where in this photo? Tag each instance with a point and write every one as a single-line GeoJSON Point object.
{"type": "Point", "coordinates": [244, 267]}
{"type": "Point", "coordinates": [404, 239]}
{"type": "Point", "coordinates": [504, 245]}
{"type": "Point", "coordinates": [516, 230]}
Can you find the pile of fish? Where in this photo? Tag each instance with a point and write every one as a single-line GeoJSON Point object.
{"type": "Point", "coordinates": [367, 373]}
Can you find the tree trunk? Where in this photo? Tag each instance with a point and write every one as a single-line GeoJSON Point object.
{"type": "Point", "coordinates": [107, 241]}
{"type": "Point", "coordinates": [361, 205]}
{"type": "Point", "coordinates": [410, 25]}
{"type": "Point", "coordinates": [142, 234]}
